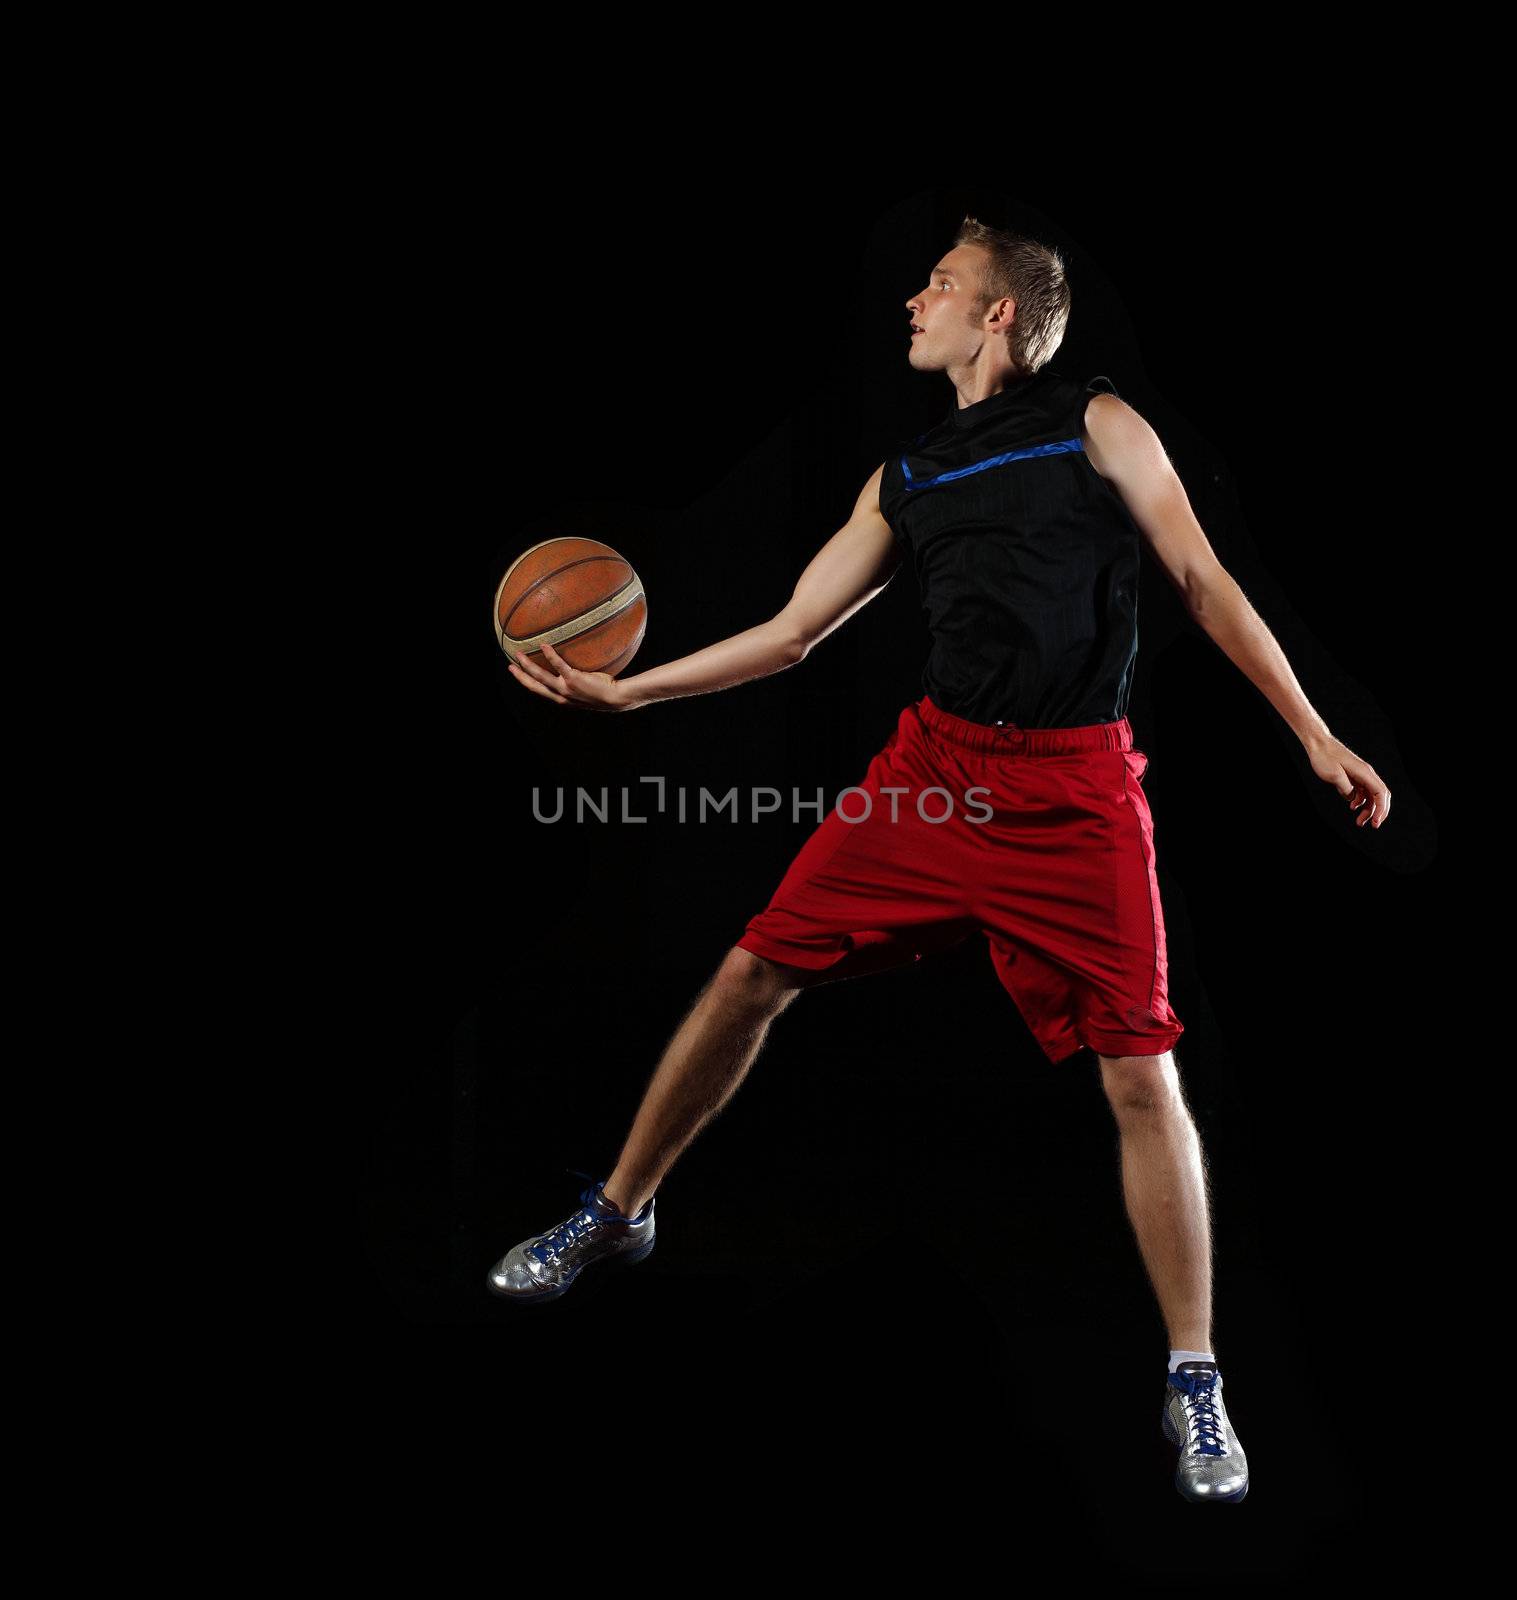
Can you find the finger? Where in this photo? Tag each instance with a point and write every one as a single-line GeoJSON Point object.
{"type": "Point", "coordinates": [557, 664]}
{"type": "Point", "coordinates": [536, 688]}
{"type": "Point", "coordinates": [549, 680]}
{"type": "Point", "coordinates": [1382, 797]}
{"type": "Point", "coordinates": [556, 661]}
{"type": "Point", "coordinates": [529, 669]}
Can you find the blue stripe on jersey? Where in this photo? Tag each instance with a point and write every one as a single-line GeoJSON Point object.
{"type": "Point", "coordinates": [1059, 448]}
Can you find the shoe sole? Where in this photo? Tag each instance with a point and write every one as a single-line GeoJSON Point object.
{"type": "Point", "coordinates": [627, 1258]}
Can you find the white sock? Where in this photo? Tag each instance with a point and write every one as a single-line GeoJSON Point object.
{"type": "Point", "coordinates": [1177, 1356]}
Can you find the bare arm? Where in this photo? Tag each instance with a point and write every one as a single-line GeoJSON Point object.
{"type": "Point", "coordinates": [846, 573]}
{"type": "Point", "coordinates": [1125, 450]}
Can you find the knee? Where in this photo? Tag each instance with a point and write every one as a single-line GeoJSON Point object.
{"type": "Point", "coordinates": [1140, 1086]}
{"type": "Point", "coordinates": [754, 981]}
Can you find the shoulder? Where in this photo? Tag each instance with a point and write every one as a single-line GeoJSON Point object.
{"type": "Point", "coordinates": [1106, 414]}
{"type": "Point", "coordinates": [1118, 441]}
{"type": "Point", "coordinates": [1095, 396]}
{"type": "Point", "coordinates": [1106, 432]}
{"type": "Point", "coordinates": [1108, 417]}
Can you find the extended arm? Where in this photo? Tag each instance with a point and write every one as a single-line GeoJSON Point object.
{"type": "Point", "coordinates": [1124, 449]}
{"type": "Point", "coordinates": [846, 573]}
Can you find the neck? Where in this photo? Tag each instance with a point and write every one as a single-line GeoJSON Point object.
{"type": "Point", "coordinates": [974, 384]}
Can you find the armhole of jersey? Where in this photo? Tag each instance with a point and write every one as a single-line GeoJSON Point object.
{"type": "Point", "coordinates": [1101, 385]}
{"type": "Point", "coordinates": [888, 494]}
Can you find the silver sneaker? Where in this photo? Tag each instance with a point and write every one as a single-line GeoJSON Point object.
{"type": "Point", "coordinates": [1212, 1465]}
{"type": "Point", "coordinates": [545, 1266]}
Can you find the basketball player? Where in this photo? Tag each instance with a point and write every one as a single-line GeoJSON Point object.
{"type": "Point", "coordinates": [1022, 513]}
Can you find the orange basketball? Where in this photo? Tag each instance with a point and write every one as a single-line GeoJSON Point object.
{"type": "Point", "coordinates": [578, 595]}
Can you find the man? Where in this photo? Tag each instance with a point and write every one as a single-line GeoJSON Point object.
{"type": "Point", "coordinates": [1022, 513]}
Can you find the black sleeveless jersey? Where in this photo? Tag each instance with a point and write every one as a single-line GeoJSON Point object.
{"type": "Point", "coordinates": [1026, 557]}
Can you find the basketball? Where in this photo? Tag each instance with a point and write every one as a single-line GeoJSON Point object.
{"type": "Point", "coordinates": [576, 594]}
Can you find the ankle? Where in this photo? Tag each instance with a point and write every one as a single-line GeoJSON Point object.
{"type": "Point", "coordinates": [619, 1198]}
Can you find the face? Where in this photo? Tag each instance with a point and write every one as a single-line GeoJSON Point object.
{"type": "Point", "coordinates": [952, 332]}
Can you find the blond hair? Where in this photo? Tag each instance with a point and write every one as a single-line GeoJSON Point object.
{"type": "Point", "coordinates": [1032, 275]}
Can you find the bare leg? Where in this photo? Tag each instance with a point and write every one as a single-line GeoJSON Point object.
{"type": "Point", "coordinates": [704, 1063]}
{"type": "Point", "coordinates": [1164, 1184]}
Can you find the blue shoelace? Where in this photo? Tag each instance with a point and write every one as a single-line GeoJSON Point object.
{"type": "Point", "coordinates": [582, 1222]}
{"type": "Point", "coordinates": [1199, 1389]}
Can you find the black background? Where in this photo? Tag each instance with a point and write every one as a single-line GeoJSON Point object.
{"type": "Point", "coordinates": [899, 1256]}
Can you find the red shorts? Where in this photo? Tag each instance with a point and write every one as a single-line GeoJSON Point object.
{"type": "Point", "coordinates": [1045, 844]}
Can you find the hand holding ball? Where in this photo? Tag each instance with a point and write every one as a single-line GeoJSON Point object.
{"type": "Point", "coordinates": [570, 613]}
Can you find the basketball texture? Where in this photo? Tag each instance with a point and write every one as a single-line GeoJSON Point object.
{"type": "Point", "coordinates": [576, 594]}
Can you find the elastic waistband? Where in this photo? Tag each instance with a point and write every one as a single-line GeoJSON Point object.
{"type": "Point", "coordinates": [1006, 738]}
